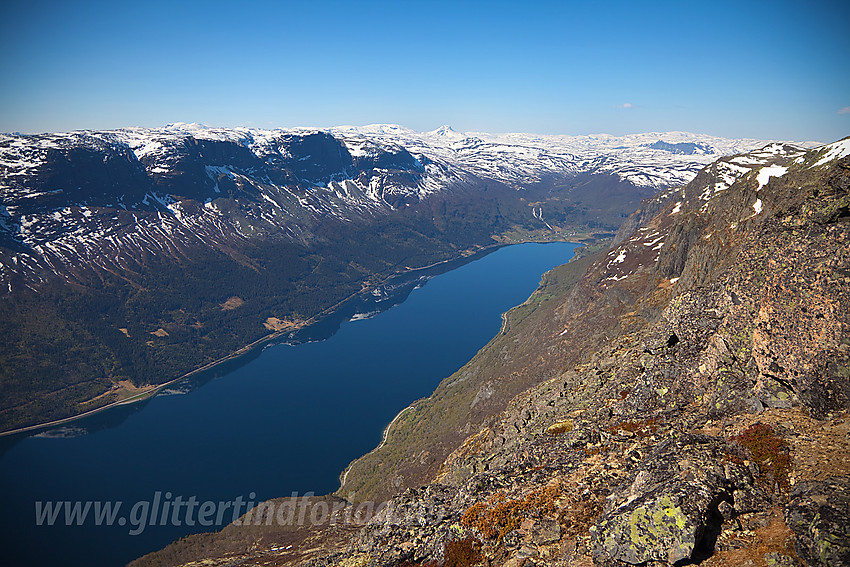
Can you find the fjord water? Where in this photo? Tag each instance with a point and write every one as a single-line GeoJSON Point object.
{"type": "Point", "coordinates": [288, 420]}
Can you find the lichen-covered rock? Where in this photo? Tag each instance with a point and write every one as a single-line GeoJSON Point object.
{"type": "Point", "coordinates": [651, 529]}
{"type": "Point", "coordinates": [545, 532]}
{"type": "Point", "coordinates": [410, 526]}
{"type": "Point", "coordinates": [664, 514]}
{"type": "Point", "coordinates": [819, 516]}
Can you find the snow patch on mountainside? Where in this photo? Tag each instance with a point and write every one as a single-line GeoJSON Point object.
{"type": "Point", "coordinates": [766, 173]}
{"type": "Point", "coordinates": [834, 151]}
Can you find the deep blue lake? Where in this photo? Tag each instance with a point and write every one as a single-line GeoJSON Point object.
{"type": "Point", "coordinates": [288, 419]}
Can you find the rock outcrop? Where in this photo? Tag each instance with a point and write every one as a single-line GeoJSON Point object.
{"type": "Point", "coordinates": [819, 516]}
{"type": "Point", "coordinates": [665, 513]}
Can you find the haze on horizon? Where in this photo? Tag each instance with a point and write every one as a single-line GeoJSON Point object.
{"type": "Point", "coordinates": [769, 70]}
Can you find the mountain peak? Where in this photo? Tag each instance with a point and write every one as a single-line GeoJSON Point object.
{"type": "Point", "coordinates": [444, 130]}
{"type": "Point", "coordinates": [186, 126]}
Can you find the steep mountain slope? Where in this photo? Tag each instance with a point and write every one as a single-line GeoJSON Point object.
{"type": "Point", "coordinates": [697, 406]}
{"type": "Point", "coordinates": [130, 257]}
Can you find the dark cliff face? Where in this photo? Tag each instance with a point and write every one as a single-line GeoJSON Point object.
{"type": "Point", "coordinates": [691, 405]}
{"type": "Point", "coordinates": [186, 175]}
{"type": "Point", "coordinates": [93, 172]}
{"type": "Point", "coordinates": [315, 157]}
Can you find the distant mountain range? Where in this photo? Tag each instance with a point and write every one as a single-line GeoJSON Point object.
{"type": "Point", "coordinates": [132, 256]}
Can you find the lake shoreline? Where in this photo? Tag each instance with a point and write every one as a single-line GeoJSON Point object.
{"type": "Point", "coordinates": [308, 412]}
{"type": "Point", "coordinates": [270, 338]}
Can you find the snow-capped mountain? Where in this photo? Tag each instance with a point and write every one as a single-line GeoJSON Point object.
{"type": "Point", "coordinates": [100, 199]}
{"type": "Point", "coordinates": [708, 196]}
{"type": "Point", "coordinates": [655, 160]}
{"type": "Point", "coordinates": [103, 198]}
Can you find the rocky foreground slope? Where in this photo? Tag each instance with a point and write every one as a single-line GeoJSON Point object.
{"type": "Point", "coordinates": [696, 411]}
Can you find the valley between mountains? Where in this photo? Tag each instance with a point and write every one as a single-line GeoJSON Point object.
{"type": "Point", "coordinates": [129, 258]}
{"type": "Point", "coordinates": [676, 396]}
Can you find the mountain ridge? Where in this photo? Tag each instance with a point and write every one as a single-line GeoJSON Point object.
{"type": "Point", "coordinates": [360, 183]}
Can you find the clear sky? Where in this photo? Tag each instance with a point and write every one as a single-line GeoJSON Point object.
{"type": "Point", "coordinates": [771, 70]}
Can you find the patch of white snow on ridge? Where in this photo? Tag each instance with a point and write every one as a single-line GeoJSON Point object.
{"type": "Point", "coordinates": [729, 173]}
{"type": "Point", "coordinates": [677, 208]}
{"type": "Point", "coordinates": [836, 150]}
{"type": "Point", "coordinates": [270, 200]}
{"type": "Point", "coordinates": [766, 173]}
{"type": "Point", "coordinates": [146, 148]}
{"type": "Point", "coordinates": [654, 242]}
{"type": "Point", "coordinates": [774, 148]}
{"type": "Point", "coordinates": [746, 160]}
{"type": "Point", "coordinates": [757, 207]}
{"type": "Point", "coordinates": [359, 147]}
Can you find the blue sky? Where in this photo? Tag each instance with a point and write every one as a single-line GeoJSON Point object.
{"type": "Point", "coordinates": [771, 70]}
